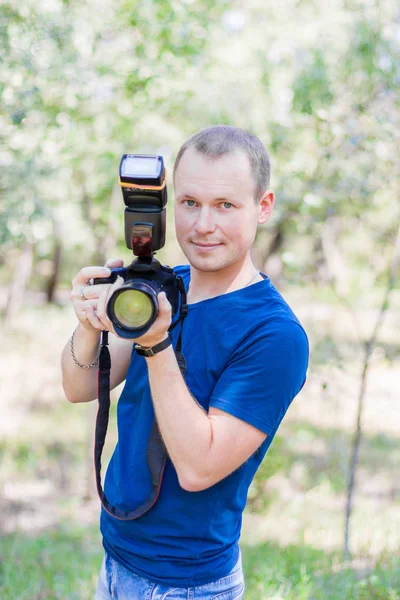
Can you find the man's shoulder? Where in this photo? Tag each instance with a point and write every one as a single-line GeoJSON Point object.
{"type": "Point", "coordinates": [262, 303]}
{"type": "Point", "coordinates": [268, 320]}
{"type": "Point", "coordinates": [278, 307]}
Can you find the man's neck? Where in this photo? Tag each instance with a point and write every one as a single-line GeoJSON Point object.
{"type": "Point", "coordinates": [209, 284]}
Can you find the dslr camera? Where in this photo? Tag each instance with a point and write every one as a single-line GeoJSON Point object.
{"type": "Point", "coordinates": [133, 308]}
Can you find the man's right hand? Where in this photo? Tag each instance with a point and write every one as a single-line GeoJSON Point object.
{"type": "Point", "coordinates": [85, 297]}
{"type": "Point", "coordinates": [80, 384]}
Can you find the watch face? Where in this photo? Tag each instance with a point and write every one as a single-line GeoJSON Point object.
{"type": "Point", "coordinates": [141, 351]}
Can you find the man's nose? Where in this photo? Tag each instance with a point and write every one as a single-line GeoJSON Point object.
{"type": "Point", "coordinates": [205, 222]}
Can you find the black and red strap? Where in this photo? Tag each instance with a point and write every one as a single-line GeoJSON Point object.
{"type": "Point", "coordinates": [156, 452]}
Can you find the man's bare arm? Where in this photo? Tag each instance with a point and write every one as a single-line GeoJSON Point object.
{"type": "Point", "coordinates": [80, 384]}
{"type": "Point", "coordinates": [204, 448]}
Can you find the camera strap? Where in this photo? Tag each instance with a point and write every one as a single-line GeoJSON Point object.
{"type": "Point", "coordinates": [183, 311]}
{"type": "Point", "coordinates": [156, 452]}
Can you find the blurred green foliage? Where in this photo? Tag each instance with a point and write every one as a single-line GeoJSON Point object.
{"type": "Point", "coordinates": [83, 82]}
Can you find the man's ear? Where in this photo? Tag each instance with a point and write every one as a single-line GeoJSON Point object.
{"type": "Point", "coordinates": [266, 204]}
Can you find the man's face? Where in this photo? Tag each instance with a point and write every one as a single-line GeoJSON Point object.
{"type": "Point", "coordinates": [216, 214]}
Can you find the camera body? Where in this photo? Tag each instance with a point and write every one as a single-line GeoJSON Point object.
{"type": "Point", "coordinates": [133, 307]}
{"type": "Point", "coordinates": [146, 278]}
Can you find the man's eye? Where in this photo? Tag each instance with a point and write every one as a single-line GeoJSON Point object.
{"type": "Point", "coordinates": [227, 205]}
{"type": "Point", "coordinates": [190, 202]}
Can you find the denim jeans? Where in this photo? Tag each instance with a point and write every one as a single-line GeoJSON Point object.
{"type": "Point", "coordinates": [117, 583]}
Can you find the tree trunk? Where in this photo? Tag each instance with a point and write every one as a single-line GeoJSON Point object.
{"type": "Point", "coordinates": [106, 242]}
{"type": "Point", "coordinates": [20, 280]}
{"type": "Point", "coordinates": [52, 282]}
{"type": "Point", "coordinates": [267, 255]}
{"type": "Point", "coordinates": [337, 269]}
{"type": "Point", "coordinates": [106, 246]}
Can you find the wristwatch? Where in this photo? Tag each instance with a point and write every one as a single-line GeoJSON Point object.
{"type": "Point", "coordinates": [154, 350]}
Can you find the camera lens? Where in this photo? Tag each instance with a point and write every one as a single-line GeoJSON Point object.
{"type": "Point", "coordinates": [133, 308]}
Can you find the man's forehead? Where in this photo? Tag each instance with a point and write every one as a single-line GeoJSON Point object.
{"type": "Point", "coordinates": [213, 181]}
{"type": "Point", "coordinates": [234, 164]}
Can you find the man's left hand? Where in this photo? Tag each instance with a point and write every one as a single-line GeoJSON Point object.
{"type": "Point", "coordinates": [157, 332]}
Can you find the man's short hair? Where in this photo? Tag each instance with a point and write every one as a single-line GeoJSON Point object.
{"type": "Point", "coordinates": [217, 140]}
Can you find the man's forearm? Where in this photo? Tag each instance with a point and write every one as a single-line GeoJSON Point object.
{"type": "Point", "coordinates": [80, 385]}
{"type": "Point", "coordinates": [184, 425]}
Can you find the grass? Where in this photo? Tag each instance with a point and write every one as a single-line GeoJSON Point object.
{"type": "Point", "coordinates": [57, 565]}
{"type": "Point", "coordinates": [64, 563]}
{"type": "Point", "coordinates": [299, 572]}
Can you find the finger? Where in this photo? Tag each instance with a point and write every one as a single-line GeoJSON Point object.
{"type": "Point", "coordinates": [90, 292]}
{"type": "Point", "coordinates": [85, 303]}
{"type": "Point", "coordinates": [87, 273]}
{"type": "Point", "coordinates": [80, 306]}
{"type": "Point", "coordinates": [164, 306]}
{"type": "Point", "coordinates": [92, 318]}
{"type": "Point", "coordinates": [114, 262]}
{"type": "Point", "coordinates": [104, 299]}
{"type": "Point", "coordinates": [163, 320]}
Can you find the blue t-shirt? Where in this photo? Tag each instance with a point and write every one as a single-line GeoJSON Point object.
{"type": "Point", "coordinates": [246, 354]}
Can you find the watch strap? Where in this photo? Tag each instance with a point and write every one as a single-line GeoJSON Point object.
{"type": "Point", "coordinates": [154, 349]}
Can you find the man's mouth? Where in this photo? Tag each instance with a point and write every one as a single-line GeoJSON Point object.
{"type": "Point", "coordinates": [206, 244]}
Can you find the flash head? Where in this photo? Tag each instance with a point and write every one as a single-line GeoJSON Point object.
{"type": "Point", "coordinates": [142, 178]}
{"type": "Point", "coordinates": [146, 168]}
{"type": "Point", "coordinates": [143, 175]}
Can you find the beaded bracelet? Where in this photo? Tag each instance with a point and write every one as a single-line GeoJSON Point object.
{"type": "Point", "coordinates": [71, 346]}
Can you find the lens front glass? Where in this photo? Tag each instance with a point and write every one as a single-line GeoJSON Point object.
{"type": "Point", "coordinates": [133, 308]}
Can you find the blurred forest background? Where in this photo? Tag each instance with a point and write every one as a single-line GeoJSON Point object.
{"type": "Point", "coordinates": [83, 82]}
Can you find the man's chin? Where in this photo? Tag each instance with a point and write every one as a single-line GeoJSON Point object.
{"type": "Point", "coordinates": [207, 264]}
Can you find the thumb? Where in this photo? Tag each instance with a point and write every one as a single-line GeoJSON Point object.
{"type": "Point", "coordinates": [164, 302]}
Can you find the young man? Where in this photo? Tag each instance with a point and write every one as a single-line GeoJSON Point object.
{"type": "Point", "coordinates": [246, 356]}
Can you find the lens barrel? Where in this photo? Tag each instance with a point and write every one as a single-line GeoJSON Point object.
{"type": "Point", "coordinates": [133, 308]}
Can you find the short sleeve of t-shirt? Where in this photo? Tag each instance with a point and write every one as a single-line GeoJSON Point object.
{"type": "Point", "coordinates": [264, 374]}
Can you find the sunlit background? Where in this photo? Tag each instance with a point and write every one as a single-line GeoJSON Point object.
{"type": "Point", "coordinates": [84, 82]}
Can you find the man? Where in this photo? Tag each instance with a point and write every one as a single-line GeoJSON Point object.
{"type": "Point", "coordinates": [246, 356]}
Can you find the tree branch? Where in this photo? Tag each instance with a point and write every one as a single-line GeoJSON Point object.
{"type": "Point", "coordinates": [369, 345]}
